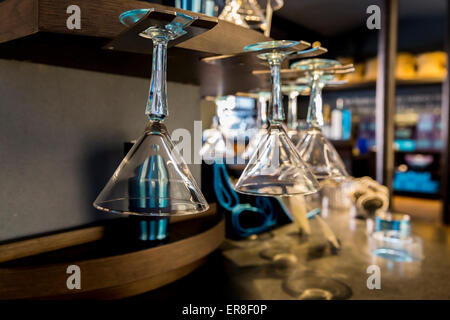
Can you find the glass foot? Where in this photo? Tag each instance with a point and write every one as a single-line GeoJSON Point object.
{"type": "Point", "coordinates": [394, 245]}
{"type": "Point", "coordinates": [274, 45]}
{"type": "Point", "coordinates": [315, 64]}
{"type": "Point", "coordinates": [131, 17]}
{"type": "Point", "coordinates": [317, 288]}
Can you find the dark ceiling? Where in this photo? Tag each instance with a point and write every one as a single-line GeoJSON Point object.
{"type": "Point", "coordinates": [332, 17]}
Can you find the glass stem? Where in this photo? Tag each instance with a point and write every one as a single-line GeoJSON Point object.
{"type": "Point", "coordinates": [315, 113]}
{"type": "Point", "coordinates": [262, 112]}
{"type": "Point", "coordinates": [292, 122]}
{"type": "Point", "coordinates": [157, 108]}
{"type": "Point", "coordinates": [276, 114]}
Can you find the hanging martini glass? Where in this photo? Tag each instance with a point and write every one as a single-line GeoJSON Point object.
{"type": "Point", "coordinates": [153, 180]}
{"type": "Point", "coordinates": [314, 148]}
{"type": "Point", "coordinates": [293, 91]}
{"type": "Point", "coordinates": [261, 120]}
{"type": "Point", "coordinates": [232, 13]}
{"type": "Point", "coordinates": [276, 168]}
{"type": "Point", "coordinates": [216, 146]}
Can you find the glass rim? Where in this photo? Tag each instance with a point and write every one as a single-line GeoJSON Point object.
{"type": "Point", "coordinates": [396, 236]}
{"type": "Point", "coordinates": [276, 194]}
{"type": "Point", "coordinates": [331, 176]}
{"type": "Point", "coordinates": [396, 246]}
{"type": "Point", "coordinates": [99, 205]}
{"type": "Point", "coordinates": [393, 216]}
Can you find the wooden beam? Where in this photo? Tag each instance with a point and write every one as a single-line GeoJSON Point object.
{"type": "Point", "coordinates": [445, 114]}
{"type": "Point", "coordinates": [100, 18]}
{"type": "Point", "coordinates": [385, 93]}
{"type": "Point", "coordinates": [18, 19]}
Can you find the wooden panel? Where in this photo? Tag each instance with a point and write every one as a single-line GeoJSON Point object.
{"type": "Point", "coordinates": [49, 279]}
{"type": "Point", "coordinates": [136, 287]}
{"type": "Point", "coordinates": [41, 36]}
{"type": "Point", "coordinates": [100, 18]}
{"type": "Point", "coordinates": [399, 82]}
{"type": "Point", "coordinates": [18, 18]}
{"type": "Point", "coordinates": [131, 41]}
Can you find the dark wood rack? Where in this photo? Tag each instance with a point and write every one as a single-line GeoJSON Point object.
{"type": "Point", "coordinates": [421, 151]}
{"type": "Point", "coordinates": [421, 195]}
{"type": "Point", "coordinates": [372, 84]}
{"type": "Point", "coordinates": [36, 31]}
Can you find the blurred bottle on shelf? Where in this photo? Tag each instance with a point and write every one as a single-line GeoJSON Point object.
{"type": "Point", "coordinates": [336, 120]}
{"type": "Point", "coordinates": [341, 122]}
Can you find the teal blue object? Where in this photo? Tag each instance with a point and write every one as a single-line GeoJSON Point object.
{"type": "Point", "coordinates": [225, 194]}
{"type": "Point", "coordinates": [405, 144]}
{"type": "Point", "coordinates": [403, 226]}
{"type": "Point", "coordinates": [346, 124]}
{"type": "Point", "coordinates": [152, 229]}
{"type": "Point", "coordinates": [313, 213]}
{"type": "Point", "coordinates": [130, 18]}
{"type": "Point", "coordinates": [229, 200]}
{"type": "Point", "coordinates": [149, 193]}
{"type": "Point", "coordinates": [412, 181]}
{"type": "Point", "coordinates": [149, 190]}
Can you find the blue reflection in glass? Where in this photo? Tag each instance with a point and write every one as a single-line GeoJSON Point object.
{"type": "Point", "coordinates": [149, 193]}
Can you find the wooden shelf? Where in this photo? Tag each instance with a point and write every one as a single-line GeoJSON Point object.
{"type": "Point", "coordinates": [372, 84]}
{"type": "Point", "coordinates": [416, 194]}
{"type": "Point", "coordinates": [343, 143]}
{"type": "Point", "coordinates": [421, 151]}
{"type": "Point", "coordinates": [113, 266]}
{"type": "Point", "coordinates": [100, 19]}
{"type": "Point", "coordinates": [20, 248]}
{"type": "Point", "coordinates": [429, 209]}
{"type": "Point", "coordinates": [36, 31]}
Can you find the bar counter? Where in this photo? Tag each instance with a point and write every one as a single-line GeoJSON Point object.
{"type": "Point", "coordinates": [243, 269]}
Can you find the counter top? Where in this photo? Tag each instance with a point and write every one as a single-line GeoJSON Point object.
{"type": "Point", "coordinates": [246, 269]}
